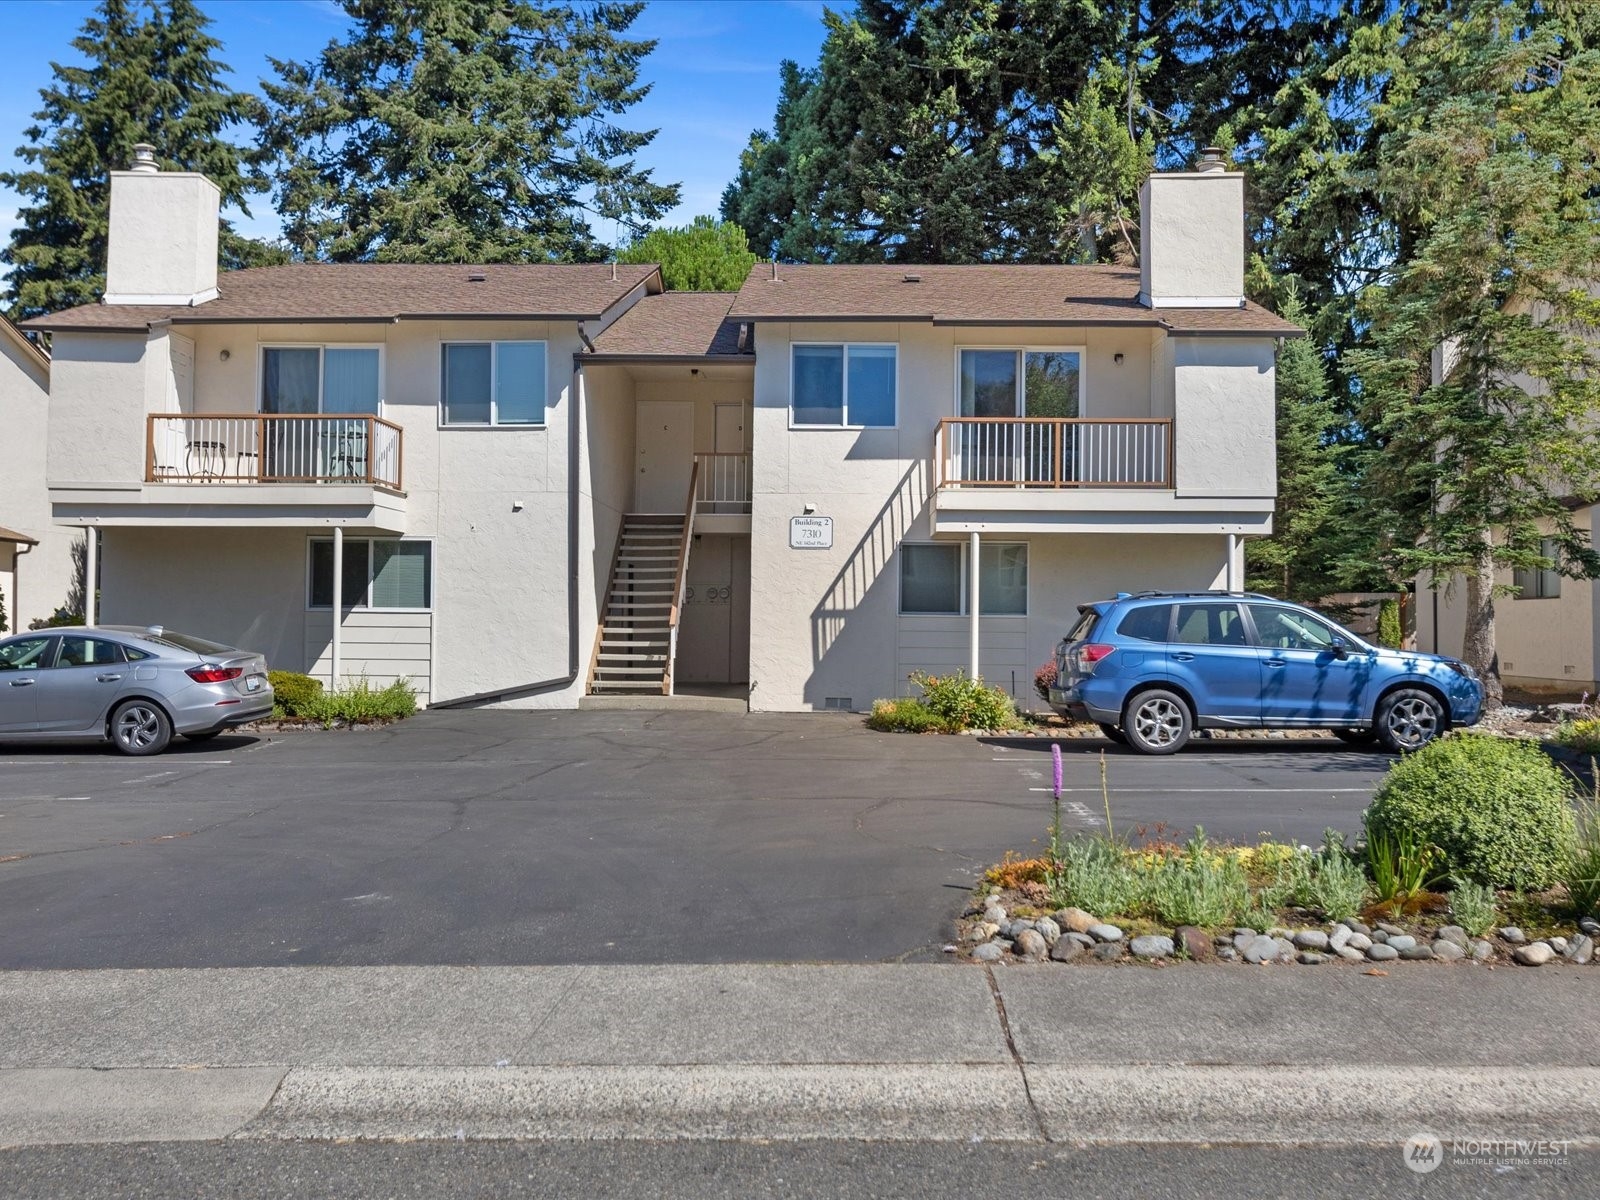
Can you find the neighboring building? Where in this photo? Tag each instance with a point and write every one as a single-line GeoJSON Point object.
{"type": "Point", "coordinates": [526, 483]}
{"type": "Point", "coordinates": [35, 554]}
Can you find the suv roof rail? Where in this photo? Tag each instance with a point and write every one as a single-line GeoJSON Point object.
{"type": "Point", "coordinates": [1155, 594]}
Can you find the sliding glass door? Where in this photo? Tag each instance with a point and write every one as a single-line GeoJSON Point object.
{"type": "Point", "coordinates": [1005, 384]}
{"type": "Point", "coordinates": [305, 381]}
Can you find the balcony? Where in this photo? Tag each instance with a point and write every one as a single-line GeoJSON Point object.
{"type": "Point", "coordinates": [1054, 452]}
{"type": "Point", "coordinates": [1080, 475]}
{"type": "Point", "coordinates": [722, 493]}
{"type": "Point", "coordinates": [332, 448]}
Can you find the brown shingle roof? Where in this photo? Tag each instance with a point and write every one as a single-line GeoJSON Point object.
{"type": "Point", "coordinates": [985, 294]}
{"type": "Point", "coordinates": [673, 325]}
{"type": "Point", "coordinates": [11, 535]}
{"type": "Point", "coordinates": [306, 292]}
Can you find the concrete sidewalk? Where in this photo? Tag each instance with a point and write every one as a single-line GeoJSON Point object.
{"type": "Point", "coordinates": [1186, 1054]}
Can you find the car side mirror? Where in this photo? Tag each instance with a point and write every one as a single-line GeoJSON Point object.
{"type": "Point", "coordinates": [1341, 648]}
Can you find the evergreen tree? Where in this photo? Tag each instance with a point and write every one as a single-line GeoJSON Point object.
{"type": "Point", "coordinates": [1494, 161]}
{"type": "Point", "coordinates": [706, 255]}
{"type": "Point", "coordinates": [151, 76]}
{"type": "Point", "coordinates": [477, 130]}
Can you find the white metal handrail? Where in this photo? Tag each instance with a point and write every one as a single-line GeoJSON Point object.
{"type": "Point", "coordinates": [1054, 452]}
{"type": "Point", "coordinates": [272, 448]}
{"type": "Point", "coordinates": [724, 482]}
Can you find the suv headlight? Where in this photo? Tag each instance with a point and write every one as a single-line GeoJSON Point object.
{"type": "Point", "coordinates": [1461, 668]}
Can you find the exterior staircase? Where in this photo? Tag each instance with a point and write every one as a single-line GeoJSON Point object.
{"type": "Point", "coordinates": [637, 635]}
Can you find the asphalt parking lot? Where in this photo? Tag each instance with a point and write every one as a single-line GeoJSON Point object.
{"type": "Point", "coordinates": [501, 837]}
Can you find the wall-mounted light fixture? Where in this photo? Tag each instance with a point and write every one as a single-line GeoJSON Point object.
{"type": "Point", "coordinates": [809, 509]}
{"type": "Point", "coordinates": [1117, 358]}
{"type": "Point", "coordinates": [225, 355]}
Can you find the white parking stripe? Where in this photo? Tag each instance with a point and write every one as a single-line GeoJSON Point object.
{"type": "Point", "coordinates": [1228, 791]}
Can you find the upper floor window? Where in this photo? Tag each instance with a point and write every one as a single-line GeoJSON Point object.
{"type": "Point", "coordinates": [306, 380]}
{"type": "Point", "coordinates": [1534, 584]}
{"type": "Point", "coordinates": [843, 386]}
{"type": "Point", "coordinates": [1021, 383]}
{"type": "Point", "coordinates": [493, 383]}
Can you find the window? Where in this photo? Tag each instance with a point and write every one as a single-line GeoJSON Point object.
{"type": "Point", "coordinates": [25, 654]}
{"type": "Point", "coordinates": [844, 386]}
{"type": "Point", "coordinates": [493, 383]}
{"type": "Point", "coordinates": [933, 579]}
{"type": "Point", "coordinates": [378, 573]}
{"type": "Point", "coordinates": [79, 651]}
{"type": "Point", "coordinates": [306, 380]}
{"type": "Point", "coordinates": [1285, 629]}
{"type": "Point", "coordinates": [1148, 624]}
{"type": "Point", "coordinates": [1535, 584]}
{"type": "Point", "coordinates": [1209, 625]}
{"type": "Point", "coordinates": [1020, 383]}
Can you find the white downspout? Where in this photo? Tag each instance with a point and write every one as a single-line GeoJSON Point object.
{"type": "Point", "coordinates": [972, 602]}
{"type": "Point", "coordinates": [1232, 573]}
{"type": "Point", "coordinates": [338, 606]}
{"type": "Point", "coordinates": [91, 582]}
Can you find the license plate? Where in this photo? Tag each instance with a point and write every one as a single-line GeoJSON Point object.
{"type": "Point", "coordinates": [253, 684]}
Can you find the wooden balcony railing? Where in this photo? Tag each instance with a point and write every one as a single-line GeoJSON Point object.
{"type": "Point", "coordinates": [724, 482]}
{"type": "Point", "coordinates": [272, 448]}
{"type": "Point", "coordinates": [1054, 452]}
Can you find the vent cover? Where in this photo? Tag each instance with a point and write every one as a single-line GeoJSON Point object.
{"type": "Point", "coordinates": [838, 704]}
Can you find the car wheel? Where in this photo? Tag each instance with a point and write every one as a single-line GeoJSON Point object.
{"type": "Point", "coordinates": [1357, 737]}
{"type": "Point", "coordinates": [202, 737]}
{"type": "Point", "coordinates": [1115, 734]}
{"type": "Point", "coordinates": [139, 727]}
{"type": "Point", "coordinates": [1157, 722]}
{"type": "Point", "coordinates": [1408, 719]}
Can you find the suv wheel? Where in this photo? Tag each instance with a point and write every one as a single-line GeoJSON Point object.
{"type": "Point", "coordinates": [139, 727]}
{"type": "Point", "coordinates": [1408, 719]}
{"type": "Point", "coordinates": [1114, 734]}
{"type": "Point", "coordinates": [1157, 722]}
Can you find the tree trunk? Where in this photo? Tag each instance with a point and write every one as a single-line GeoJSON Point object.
{"type": "Point", "coordinates": [1477, 642]}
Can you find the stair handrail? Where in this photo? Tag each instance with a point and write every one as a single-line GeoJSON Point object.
{"type": "Point", "coordinates": [690, 507]}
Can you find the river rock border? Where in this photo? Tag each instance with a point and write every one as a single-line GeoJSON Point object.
{"type": "Point", "coordinates": [989, 934]}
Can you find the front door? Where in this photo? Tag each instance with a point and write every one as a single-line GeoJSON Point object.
{"type": "Point", "coordinates": [664, 438]}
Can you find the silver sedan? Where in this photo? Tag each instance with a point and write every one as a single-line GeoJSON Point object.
{"type": "Point", "coordinates": [133, 687]}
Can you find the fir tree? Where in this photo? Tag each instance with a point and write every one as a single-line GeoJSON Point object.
{"type": "Point", "coordinates": [150, 76]}
{"type": "Point", "coordinates": [478, 130]}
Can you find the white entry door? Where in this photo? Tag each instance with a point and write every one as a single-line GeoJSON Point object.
{"type": "Point", "coordinates": [664, 438]}
{"type": "Point", "coordinates": [730, 429]}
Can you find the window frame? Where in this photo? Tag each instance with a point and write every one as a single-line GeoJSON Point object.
{"type": "Point", "coordinates": [1547, 549]}
{"type": "Point", "coordinates": [1336, 635]}
{"type": "Point", "coordinates": [433, 574]}
{"type": "Point", "coordinates": [964, 566]}
{"type": "Point", "coordinates": [844, 346]}
{"type": "Point", "coordinates": [1019, 409]}
{"type": "Point", "coordinates": [322, 374]}
{"type": "Point", "coordinates": [494, 379]}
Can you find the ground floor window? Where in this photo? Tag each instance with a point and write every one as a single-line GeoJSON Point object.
{"type": "Point", "coordinates": [933, 579]}
{"type": "Point", "coordinates": [378, 573]}
{"type": "Point", "coordinates": [1534, 584]}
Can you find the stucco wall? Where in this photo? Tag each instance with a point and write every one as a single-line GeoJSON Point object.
{"type": "Point", "coordinates": [1224, 424]}
{"type": "Point", "coordinates": [825, 623]}
{"type": "Point", "coordinates": [1192, 237]}
{"type": "Point", "coordinates": [162, 246]}
{"type": "Point", "coordinates": [37, 584]}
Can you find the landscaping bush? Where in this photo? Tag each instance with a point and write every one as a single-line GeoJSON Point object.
{"type": "Point", "coordinates": [1582, 736]}
{"type": "Point", "coordinates": [60, 619]}
{"type": "Point", "coordinates": [292, 691]}
{"type": "Point", "coordinates": [1389, 631]}
{"type": "Point", "coordinates": [360, 701]}
{"type": "Point", "coordinates": [1581, 873]}
{"type": "Point", "coordinates": [905, 715]}
{"type": "Point", "coordinates": [963, 703]}
{"type": "Point", "coordinates": [1473, 907]}
{"type": "Point", "coordinates": [1499, 811]}
{"type": "Point", "coordinates": [1044, 679]}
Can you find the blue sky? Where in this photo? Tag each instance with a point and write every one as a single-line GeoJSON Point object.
{"type": "Point", "coordinates": [714, 71]}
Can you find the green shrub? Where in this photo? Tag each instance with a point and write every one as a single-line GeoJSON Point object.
{"type": "Point", "coordinates": [1581, 873]}
{"type": "Point", "coordinates": [292, 691]}
{"type": "Point", "coordinates": [964, 703]}
{"type": "Point", "coordinates": [1582, 736]}
{"type": "Point", "coordinates": [1389, 632]}
{"type": "Point", "coordinates": [1094, 874]}
{"type": "Point", "coordinates": [1472, 905]}
{"type": "Point", "coordinates": [60, 619]}
{"type": "Point", "coordinates": [1334, 883]}
{"type": "Point", "coordinates": [905, 715]}
{"type": "Point", "coordinates": [1197, 889]}
{"type": "Point", "coordinates": [1498, 810]}
{"type": "Point", "coordinates": [360, 701]}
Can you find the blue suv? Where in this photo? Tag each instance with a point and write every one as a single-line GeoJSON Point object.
{"type": "Point", "coordinates": [1153, 667]}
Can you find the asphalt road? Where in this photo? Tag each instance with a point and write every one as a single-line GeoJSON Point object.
{"type": "Point", "coordinates": [710, 1170]}
{"type": "Point", "coordinates": [500, 837]}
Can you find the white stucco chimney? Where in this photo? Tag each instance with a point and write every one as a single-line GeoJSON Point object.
{"type": "Point", "coordinates": [162, 246]}
{"type": "Point", "coordinates": [1191, 236]}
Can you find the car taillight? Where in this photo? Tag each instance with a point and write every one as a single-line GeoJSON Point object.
{"type": "Point", "coordinates": [211, 674]}
{"type": "Point", "coordinates": [1092, 652]}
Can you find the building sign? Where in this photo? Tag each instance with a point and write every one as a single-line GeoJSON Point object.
{"type": "Point", "coordinates": [811, 533]}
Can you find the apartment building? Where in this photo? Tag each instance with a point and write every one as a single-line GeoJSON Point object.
{"type": "Point", "coordinates": [539, 484]}
{"type": "Point", "coordinates": [36, 566]}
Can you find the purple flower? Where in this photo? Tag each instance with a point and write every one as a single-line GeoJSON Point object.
{"type": "Point", "coordinates": [1055, 763]}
